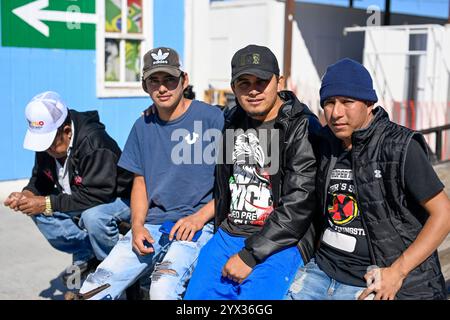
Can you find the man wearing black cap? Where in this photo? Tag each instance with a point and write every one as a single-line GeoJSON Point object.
{"type": "Point", "coordinates": [265, 188]}
{"type": "Point", "coordinates": [384, 209]}
{"type": "Point", "coordinates": [171, 198]}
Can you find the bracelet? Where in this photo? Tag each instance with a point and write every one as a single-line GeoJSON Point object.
{"type": "Point", "coordinates": [48, 207]}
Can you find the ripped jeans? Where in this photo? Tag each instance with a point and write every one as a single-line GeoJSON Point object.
{"type": "Point", "coordinates": [171, 266]}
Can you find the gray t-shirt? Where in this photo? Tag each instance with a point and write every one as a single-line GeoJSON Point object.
{"type": "Point", "coordinates": [250, 184]}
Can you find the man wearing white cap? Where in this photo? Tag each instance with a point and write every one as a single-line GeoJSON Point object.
{"type": "Point", "coordinates": [75, 175]}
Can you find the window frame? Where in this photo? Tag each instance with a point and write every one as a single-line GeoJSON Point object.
{"type": "Point", "coordinates": [121, 88]}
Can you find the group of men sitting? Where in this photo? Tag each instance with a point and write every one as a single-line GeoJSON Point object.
{"type": "Point", "coordinates": [255, 202]}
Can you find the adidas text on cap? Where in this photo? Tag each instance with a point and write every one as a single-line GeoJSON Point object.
{"type": "Point", "coordinates": [161, 60]}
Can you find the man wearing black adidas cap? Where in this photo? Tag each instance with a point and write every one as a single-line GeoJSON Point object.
{"type": "Point", "coordinates": [171, 198]}
{"type": "Point", "coordinates": [383, 207]}
{"type": "Point", "coordinates": [265, 188]}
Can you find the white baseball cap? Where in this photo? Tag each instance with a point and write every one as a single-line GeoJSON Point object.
{"type": "Point", "coordinates": [45, 113]}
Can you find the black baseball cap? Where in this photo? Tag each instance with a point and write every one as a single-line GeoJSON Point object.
{"type": "Point", "coordinates": [161, 59]}
{"type": "Point", "coordinates": [255, 60]}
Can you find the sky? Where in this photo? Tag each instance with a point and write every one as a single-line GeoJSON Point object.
{"type": "Point", "coordinates": [433, 8]}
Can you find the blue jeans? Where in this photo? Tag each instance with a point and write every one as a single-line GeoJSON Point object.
{"type": "Point", "coordinates": [171, 266]}
{"type": "Point", "coordinates": [95, 235]}
{"type": "Point", "coordinates": [311, 283]}
{"type": "Point", "coordinates": [268, 280]}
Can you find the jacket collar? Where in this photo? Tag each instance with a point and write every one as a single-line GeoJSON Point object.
{"type": "Point", "coordinates": [85, 123]}
{"type": "Point", "coordinates": [362, 136]}
{"type": "Point", "coordinates": [292, 107]}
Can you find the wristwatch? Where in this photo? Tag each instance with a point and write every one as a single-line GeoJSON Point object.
{"type": "Point", "coordinates": [48, 207]}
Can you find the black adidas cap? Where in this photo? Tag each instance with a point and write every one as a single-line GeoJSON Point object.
{"type": "Point", "coordinates": [161, 59]}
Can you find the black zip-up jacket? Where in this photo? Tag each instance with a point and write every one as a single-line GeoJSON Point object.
{"type": "Point", "coordinates": [293, 187]}
{"type": "Point", "coordinates": [94, 175]}
{"type": "Point", "coordinates": [391, 218]}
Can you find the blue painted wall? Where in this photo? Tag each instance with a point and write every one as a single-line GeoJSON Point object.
{"type": "Point", "coordinates": [72, 73]}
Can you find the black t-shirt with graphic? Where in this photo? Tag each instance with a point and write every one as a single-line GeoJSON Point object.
{"type": "Point", "coordinates": [250, 183]}
{"type": "Point", "coordinates": [343, 253]}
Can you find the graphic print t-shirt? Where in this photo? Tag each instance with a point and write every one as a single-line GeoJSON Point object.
{"type": "Point", "coordinates": [250, 185]}
{"type": "Point", "coordinates": [344, 253]}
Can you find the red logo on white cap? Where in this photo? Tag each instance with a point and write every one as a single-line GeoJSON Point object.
{"type": "Point", "coordinates": [37, 124]}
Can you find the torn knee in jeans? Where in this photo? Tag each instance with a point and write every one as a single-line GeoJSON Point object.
{"type": "Point", "coordinates": [100, 276]}
{"type": "Point", "coordinates": [162, 269]}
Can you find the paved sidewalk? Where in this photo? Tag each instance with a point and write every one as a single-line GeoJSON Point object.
{"type": "Point", "coordinates": [29, 265]}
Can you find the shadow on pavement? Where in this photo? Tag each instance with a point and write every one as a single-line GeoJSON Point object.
{"type": "Point", "coordinates": [55, 291]}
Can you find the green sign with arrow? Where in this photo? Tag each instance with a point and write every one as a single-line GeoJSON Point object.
{"type": "Point", "coordinates": [64, 24]}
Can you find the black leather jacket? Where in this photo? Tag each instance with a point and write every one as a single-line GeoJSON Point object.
{"type": "Point", "coordinates": [293, 187]}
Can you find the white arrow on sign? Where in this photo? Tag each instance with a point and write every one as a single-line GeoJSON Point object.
{"type": "Point", "coordinates": [33, 14]}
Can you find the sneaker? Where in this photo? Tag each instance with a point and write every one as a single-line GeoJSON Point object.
{"type": "Point", "coordinates": [83, 268]}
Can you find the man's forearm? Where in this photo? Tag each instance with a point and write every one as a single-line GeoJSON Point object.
{"type": "Point", "coordinates": [432, 235]}
{"type": "Point", "coordinates": [206, 213]}
{"type": "Point", "coordinates": [139, 202]}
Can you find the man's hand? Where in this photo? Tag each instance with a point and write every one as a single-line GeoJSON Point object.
{"type": "Point", "coordinates": [13, 200]}
{"type": "Point", "coordinates": [186, 227]}
{"type": "Point", "coordinates": [31, 205]}
{"type": "Point", "coordinates": [142, 240]}
{"type": "Point", "coordinates": [384, 283]}
{"type": "Point", "coordinates": [235, 269]}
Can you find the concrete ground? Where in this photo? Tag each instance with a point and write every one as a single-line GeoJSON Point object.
{"type": "Point", "coordinates": [30, 267]}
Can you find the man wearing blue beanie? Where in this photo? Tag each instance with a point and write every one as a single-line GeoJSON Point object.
{"type": "Point", "coordinates": [384, 208]}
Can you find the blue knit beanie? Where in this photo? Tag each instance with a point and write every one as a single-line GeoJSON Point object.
{"type": "Point", "coordinates": [347, 78]}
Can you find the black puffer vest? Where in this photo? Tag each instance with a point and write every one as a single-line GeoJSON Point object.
{"type": "Point", "coordinates": [391, 218]}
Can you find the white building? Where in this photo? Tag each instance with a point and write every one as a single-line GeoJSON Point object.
{"type": "Point", "coordinates": [409, 61]}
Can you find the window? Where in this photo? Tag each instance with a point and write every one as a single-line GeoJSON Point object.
{"type": "Point", "coordinates": [121, 47]}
